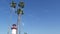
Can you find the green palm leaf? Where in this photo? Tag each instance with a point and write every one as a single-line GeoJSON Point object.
{"type": "Point", "coordinates": [13, 4]}
{"type": "Point", "coordinates": [19, 11]}
{"type": "Point", "coordinates": [21, 4]}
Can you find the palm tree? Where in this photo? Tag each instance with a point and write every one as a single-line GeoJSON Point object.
{"type": "Point", "coordinates": [13, 4]}
{"type": "Point", "coordinates": [21, 4]}
{"type": "Point", "coordinates": [19, 13]}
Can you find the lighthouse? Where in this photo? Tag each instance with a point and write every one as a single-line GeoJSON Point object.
{"type": "Point", "coordinates": [14, 29]}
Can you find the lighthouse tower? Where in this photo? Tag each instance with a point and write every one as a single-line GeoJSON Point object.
{"type": "Point", "coordinates": [14, 29]}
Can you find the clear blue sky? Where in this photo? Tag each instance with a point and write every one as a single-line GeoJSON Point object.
{"type": "Point", "coordinates": [40, 16]}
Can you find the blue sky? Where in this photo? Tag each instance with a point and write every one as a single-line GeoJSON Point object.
{"type": "Point", "coordinates": [40, 16]}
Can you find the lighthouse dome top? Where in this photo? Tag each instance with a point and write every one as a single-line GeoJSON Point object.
{"type": "Point", "coordinates": [14, 25]}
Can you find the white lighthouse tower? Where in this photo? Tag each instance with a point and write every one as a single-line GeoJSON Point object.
{"type": "Point", "coordinates": [14, 29]}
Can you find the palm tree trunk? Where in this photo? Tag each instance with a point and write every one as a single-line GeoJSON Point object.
{"type": "Point", "coordinates": [18, 23]}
